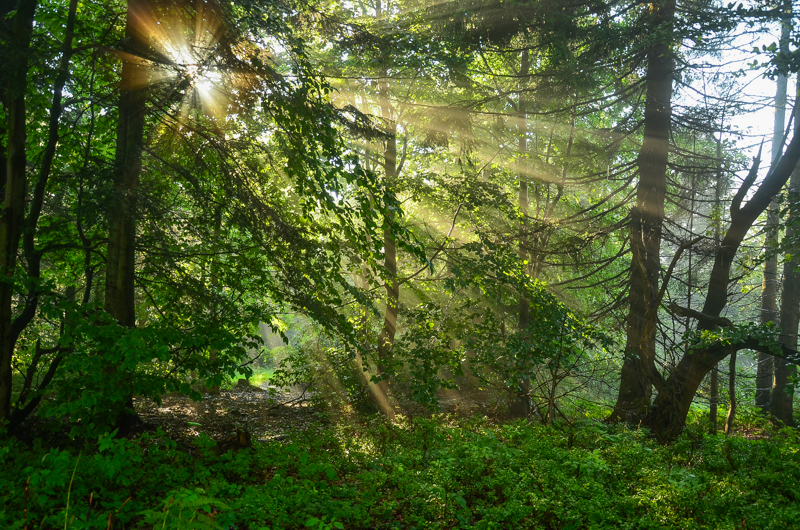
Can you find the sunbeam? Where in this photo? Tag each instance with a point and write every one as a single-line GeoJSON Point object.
{"type": "Point", "coordinates": [183, 50]}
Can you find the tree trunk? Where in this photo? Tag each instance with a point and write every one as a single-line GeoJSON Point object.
{"type": "Point", "coordinates": [386, 337]}
{"type": "Point", "coordinates": [731, 394]}
{"type": "Point", "coordinates": [714, 400]}
{"type": "Point", "coordinates": [120, 259]}
{"type": "Point", "coordinates": [12, 216]}
{"type": "Point", "coordinates": [646, 224]}
{"type": "Point", "coordinates": [769, 289]}
{"type": "Point", "coordinates": [769, 296]}
{"type": "Point", "coordinates": [667, 416]}
{"type": "Point", "coordinates": [781, 398]}
{"type": "Point", "coordinates": [33, 256]}
{"type": "Point", "coordinates": [520, 404]}
{"type": "Point", "coordinates": [120, 266]}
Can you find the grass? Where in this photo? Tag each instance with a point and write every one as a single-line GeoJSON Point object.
{"type": "Point", "coordinates": [432, 473]}
{"type": "Point", "coordinates": [259, 377]}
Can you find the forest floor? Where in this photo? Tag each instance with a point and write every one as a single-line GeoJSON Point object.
{"type": "Point", "coordinates": [269, 413]}
{"type": "Point", "coordinates": [265, 412]}
{"type": "Point", "coordinates": [312, 467]}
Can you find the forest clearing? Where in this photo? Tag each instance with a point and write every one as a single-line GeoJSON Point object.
{"type": "Point", "coordinates": [401, 264]}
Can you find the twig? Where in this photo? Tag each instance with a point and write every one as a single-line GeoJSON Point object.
{"type": "Point", "coordinates": [301, 397]}
{"type": "Point", "coordinates": [736, 203]}
{"type": "Point", "coordinates": [668, 275]}
{"type": "Point", "coordinates": [25, 503]}
{"type": "Point", "coordinates": [69, 490]}
{"type": "Point", "coordinates": [111, 516]}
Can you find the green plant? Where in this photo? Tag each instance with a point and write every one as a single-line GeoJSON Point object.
{"type": "Point", "coordinates": [188, 509]}
{"type": "Point", "coordinates": [322, 524]}
{"type": "Point", "coordinates": [439, 473]}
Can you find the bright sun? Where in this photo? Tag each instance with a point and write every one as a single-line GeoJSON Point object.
{"type": "Point", "coordinates": [182, 52]}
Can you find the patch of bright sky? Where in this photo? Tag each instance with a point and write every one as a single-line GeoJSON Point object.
{"type": "Point", "coordinates": [750, 86]}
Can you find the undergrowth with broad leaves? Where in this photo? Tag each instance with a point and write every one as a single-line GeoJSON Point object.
{"type": "Point", "coordinates": [420, 473]}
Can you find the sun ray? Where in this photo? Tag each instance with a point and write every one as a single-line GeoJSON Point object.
{"type": "Point", "coordinates": [185, 49]}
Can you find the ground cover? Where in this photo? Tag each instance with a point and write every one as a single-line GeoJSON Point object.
{"type": "Point", "coordinates": [423, 472]}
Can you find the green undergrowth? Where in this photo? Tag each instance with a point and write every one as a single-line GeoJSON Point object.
{"type": "Point", "coordinates": [257, 377]}
{"type": "Point", "coordinates": [425, 473]}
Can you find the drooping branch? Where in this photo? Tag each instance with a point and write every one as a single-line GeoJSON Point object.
{"type": "Point", "coordinates": [673, 263]}
{"type": "Point", "coordinates": [742, 220]}
{"type": "Point", "coordinates": [747, 183]}
{"type": "Point", "coordinates": [786, 353]}
{"type": "Point", "coordinates": [750, 343]}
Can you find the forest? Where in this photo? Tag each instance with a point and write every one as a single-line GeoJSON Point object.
{"type": "Point", "coordinates": [399, 264]}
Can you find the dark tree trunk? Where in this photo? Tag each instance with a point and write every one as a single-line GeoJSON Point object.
{"type": "Point", "coordinates": [769, 313]}
{"type": "Point", "coordinates": [731, 394]}
{"type": "Point", "coordinates": [11, 219]}
{"type": "Point", "coordinates": [646, 224]}
{"type": "Point", "coordinates": [120, 269]}
{"type": "Point", "coordinates": [667, 416]}
{"type": "Point", "coordinates": [714, 400]}
{"type": "Point", "coordinates": [120, 259]}
{"type": "Point", "coordinates": [33, 256]}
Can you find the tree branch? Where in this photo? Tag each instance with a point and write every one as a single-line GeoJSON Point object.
{"type": "Point", "coordinates": [668, 275]}
{"type": "Point", "coordinates": [697, 315]}
{"type": "Point", "coordinates": [748, 181]}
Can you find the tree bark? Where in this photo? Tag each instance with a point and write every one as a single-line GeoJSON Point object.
{"type": "Point", "coordinates": [389, 329]}
{"type": "Point", "coordinates": [638, 369]}
{"type": "Point", "coordinates": [520, 404]}
{"type": "Point", "coordinates": [769, 289]}
{"type": "Point", "coordinates": [731, 394]}
{"type": "Point", "coordinates": [782, 396]}
{"type": "Point", "coordinates": [33, 256]}
{"type": "Point", "coordinates": [769, 296]}
{"type": "Point", "coordinates": [667, 416]}
{"type": "Point", "coordinates": [11, 219]}
{"type": "Point", "coordinates": [714, 400]}
{"type": "Point", "coordinates": [120, 258]}
{"type": "Point", "coordinates": [120, 266]}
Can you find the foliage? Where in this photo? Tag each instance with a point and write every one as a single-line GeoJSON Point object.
{"type": "Point", "coordinates": [247, 204]}
{"type": "Point", "coordinates": [105, 361]}
{"type": "Point", "coordinates": [422, 473]}
{"type": "Point", "coordinates": [513, 130]}
{"type": "Point", "coordinates": [472, 326]}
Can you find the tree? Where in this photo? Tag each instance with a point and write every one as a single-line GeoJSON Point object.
{"type": "Point", "coordinates": [14, 226]}
{"type": "Point", "coordinates": [666, 415]}
{"type": "Point", "coordinates": [781, 398]}
{"type": "Point", "coordinates": [215, 224]}
{"type": "Point", "coordinates": [638, 369]}
{"type": "Point", "coordinates": [769, 291]}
